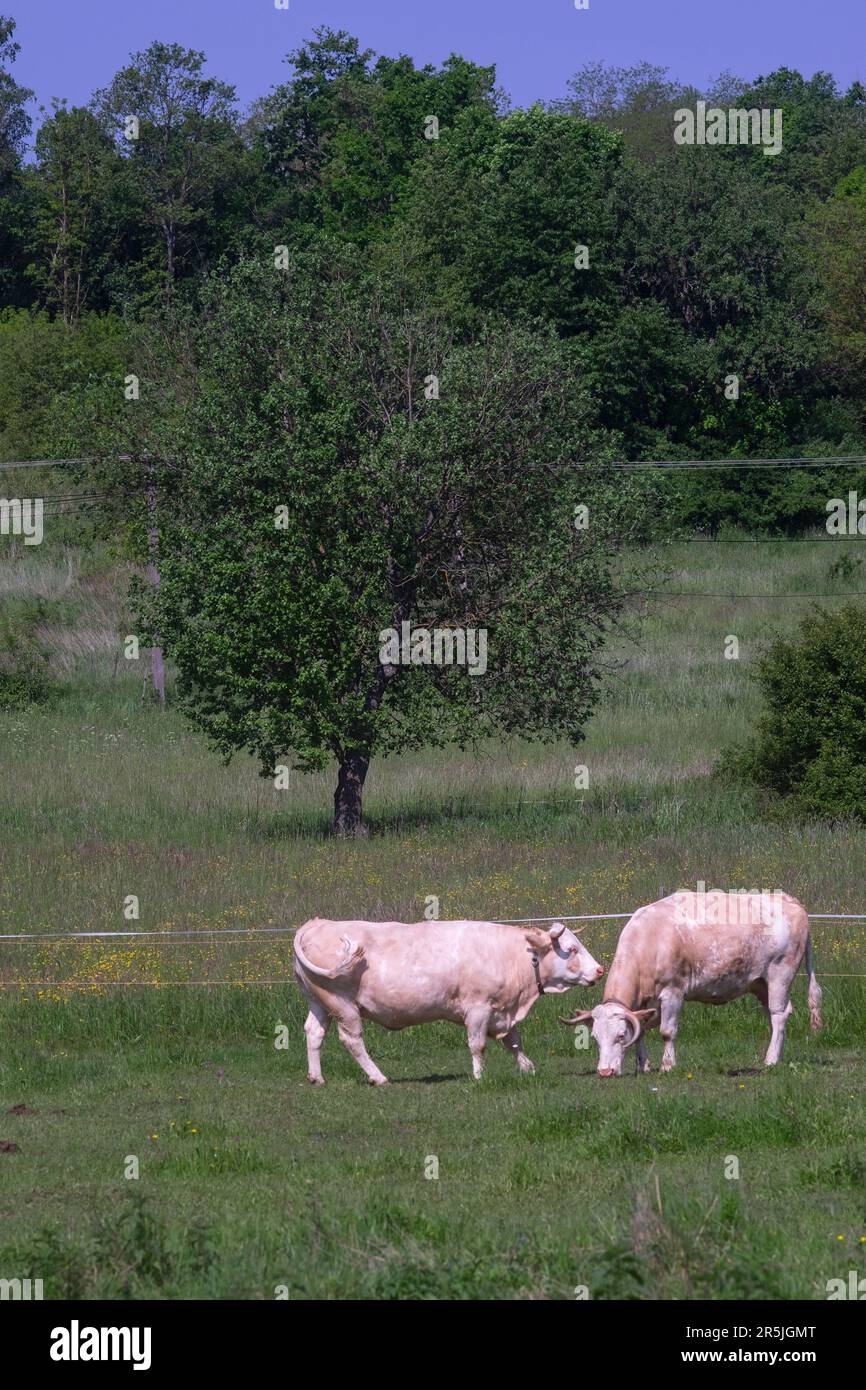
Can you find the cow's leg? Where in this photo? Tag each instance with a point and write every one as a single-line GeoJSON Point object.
{"type": "Point", "coordinates": [670, 1018]}
{"type": "Point", "coordinates": [512, 1043]}
{"type": "Point", "coordinates": [476, 1033]}
{"type": "Point", "coordinates": [352, 1038]}
{"type": "Point", "coordinates": [759, 989]}
{"type": "Point", "coordinates": [641, 1056]}
{"type": "Point", "coordinates": [779, 1004]}
{"type": "Point", "coordinates": [316, 1026]}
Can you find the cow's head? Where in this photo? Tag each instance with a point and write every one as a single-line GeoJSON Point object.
{"type": "Point", "coordinates": [614, 1028]}
{"type": "Point", "coordinates": [563, 961]}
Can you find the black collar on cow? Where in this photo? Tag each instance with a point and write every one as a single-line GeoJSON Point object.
{"type": "Point", "coordinates": [534, 959]}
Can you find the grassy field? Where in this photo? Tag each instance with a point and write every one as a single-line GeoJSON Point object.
{"type": "Point", "coordinates": [250, 1179]}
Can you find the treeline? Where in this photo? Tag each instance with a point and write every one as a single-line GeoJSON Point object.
{"type": "Point", "coordinates": [712, 298]}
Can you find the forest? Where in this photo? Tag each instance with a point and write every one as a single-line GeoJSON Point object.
{"type": "Point", "coordinates": [667, 271]}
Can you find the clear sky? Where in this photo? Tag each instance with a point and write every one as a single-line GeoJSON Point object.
{"type": "Point", "coordinates": [71, 47]}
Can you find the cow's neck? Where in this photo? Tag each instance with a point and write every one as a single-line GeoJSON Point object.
{"type": "Point", "coordinates": [624, 984]}
{"type": "Point", "coordinates": [528, 989]}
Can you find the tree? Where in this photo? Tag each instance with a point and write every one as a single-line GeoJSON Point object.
{"type": "Point", "coordinates": [823, 132]}
{"type": "Point", "coordinates": [639, 101]}
{"type": "Point", "coordinates": [184, 155]}
{"type": "Point", "coordinates": [72, 234]}
{"type": "Point", "coordinates": [838, 230]}
{"type": "Point", "coordinates": [14, 129]}
{"type": "Point", "coordinates": [507, 203]}
{"type": "Point", "coordinates": [341, 137]}
{"type": "Point", "coordinates": [14, 120]}
{"type": "Point", "coordinates": [327, 497]}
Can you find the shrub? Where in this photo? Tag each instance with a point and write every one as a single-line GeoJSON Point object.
{"type": "Point", "coordinates": [810, 743]}
{"type": "Point", "coordinates": [25, 676]}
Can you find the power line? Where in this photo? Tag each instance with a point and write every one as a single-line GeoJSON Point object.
{"type": "Point", "coordinates": [764, 540]}
{"type": "Point", "coordinates": [678, 593]}
{"type": "Point", "coordinates": [671, 465]}
{"type": "Point", "coordinates": [675, 465]}
{"type": "Point", "coordinates": [42, 463]}
{"type": "Point", "coordinates": [60, 463]}
{"type": "Point", "coordinates": [235, 932]}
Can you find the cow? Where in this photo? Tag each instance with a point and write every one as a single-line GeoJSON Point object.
{"type": "Point", "coordinates": [483, 975]}
{"type": "Point", "coordinates": [710, 947]}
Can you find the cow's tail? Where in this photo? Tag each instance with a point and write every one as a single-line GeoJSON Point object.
{"type": "Point", "coordinates": [814, 987]}
{"type": "Point", "coordinates": [353, 952]}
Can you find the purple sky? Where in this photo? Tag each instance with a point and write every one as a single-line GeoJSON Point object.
{"type": "Point", "coordinates": [69, 49]}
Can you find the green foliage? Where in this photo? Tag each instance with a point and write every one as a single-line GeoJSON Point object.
{"type": "Point", "coordinates": [177, 176]}
{"type": "Point", "coordinates": [506, 202]}
{"type": "Point", "coordinates": [703, 263]}
{"type": "Point", "coordinates": [457, 511]}
{"type": "Point", "coordinates": [14, 120]}
{"type": "Point", "coordinates": [43, 364]}
{"type": "Point", "coordinates": [77, 234]}
{"type": "Point", "coordinates": [810, 744]}
{"type": "Point", "coordinates": [25, 675]}
{"type": "Point", "coordinates": [837, 231]}
{"type": "Point", "coordinates": [133, 1248]}
{"type": "Point", "coordinates": [342, 135]}
{"type": "Point", "coordinates": [15, 126]}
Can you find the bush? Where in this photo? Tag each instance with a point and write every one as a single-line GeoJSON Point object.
{"type": "Point", "coordinates": [25, 676]}
{"type": "Point", "coordinates": [810, 743]}
{"type": "Point", "coordinates": [42, 363]}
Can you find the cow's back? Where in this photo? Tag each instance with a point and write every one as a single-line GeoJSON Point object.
{"type": "Point", "coordinates": [718, 942]}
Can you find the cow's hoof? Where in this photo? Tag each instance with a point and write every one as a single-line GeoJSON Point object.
{"type": "Point", "coordinates": [528, 1069]}
{"type": "Point", "coordinates": [378, 1080]}
{"type": "Point", "coordinates": [316, 1080]}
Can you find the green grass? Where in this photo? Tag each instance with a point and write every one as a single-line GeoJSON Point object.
{"type": "Point", "coordinates": [250, 1179]}
{"type": "Point", "coordinates": [257, 1180]}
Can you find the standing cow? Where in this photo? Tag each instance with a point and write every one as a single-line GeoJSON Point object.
{"type": "Point", "coordinates": [711, 947]}
{"type": "Point", "coordinates": [483, 975]}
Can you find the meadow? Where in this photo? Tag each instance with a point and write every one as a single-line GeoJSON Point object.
{"type": "Point", "coordinates": [249, 1179]}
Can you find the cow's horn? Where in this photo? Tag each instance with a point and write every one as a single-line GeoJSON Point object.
{"type": "Point", "coordinates": [579, 1017]}
{"type": "Point", "coordinates": [556, 930]}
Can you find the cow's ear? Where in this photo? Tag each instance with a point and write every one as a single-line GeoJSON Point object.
{"type": "Point", "coordinates": [646, 1017]}
{"type": "Point", "coordinates": [539, 940]}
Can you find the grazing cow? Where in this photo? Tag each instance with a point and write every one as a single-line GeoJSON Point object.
{"type": "Point", "coordinates": [711, 947]}
{"type": "Point", "coordinates": [483, 975]}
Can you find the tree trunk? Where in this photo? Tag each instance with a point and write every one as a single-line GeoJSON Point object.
{"type": "Point", "coordinates": [347, 797]}
{"type": "Point", "coordinates": [157, 665]}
